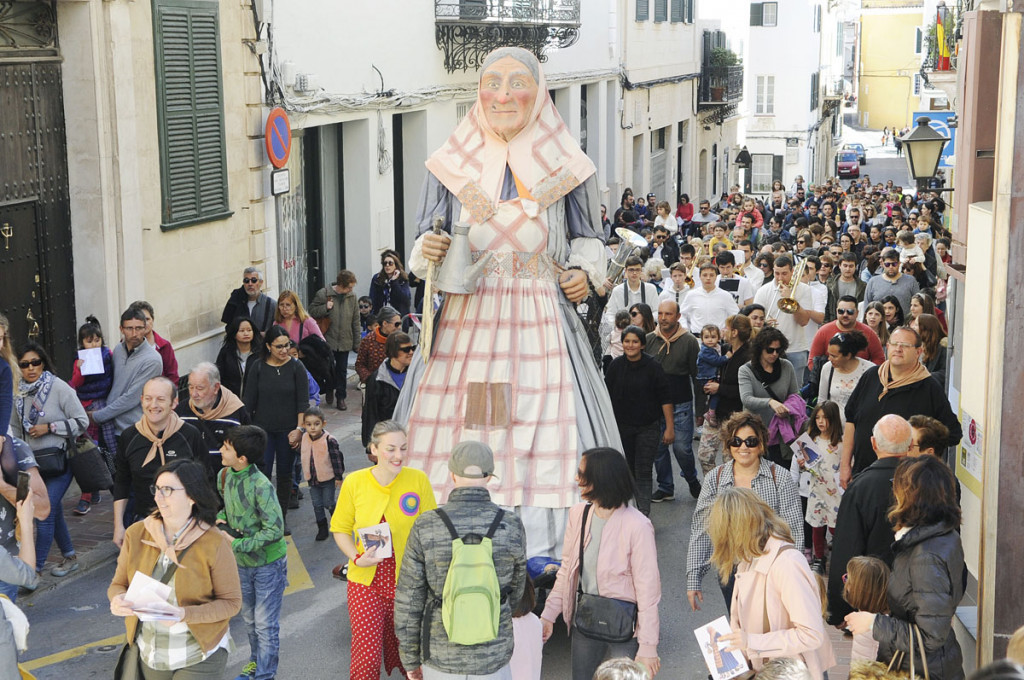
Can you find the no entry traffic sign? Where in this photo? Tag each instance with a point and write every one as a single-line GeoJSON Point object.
{"type": "Point", "coordinates": [278, 137]}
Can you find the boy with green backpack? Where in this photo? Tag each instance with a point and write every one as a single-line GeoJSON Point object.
{"type": "Point", "coordinates": [464, 568]}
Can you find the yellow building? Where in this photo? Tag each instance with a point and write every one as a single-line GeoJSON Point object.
{"type": "Point", "coordinates": [891, 45]}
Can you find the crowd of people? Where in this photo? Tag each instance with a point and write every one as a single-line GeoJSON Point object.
{"type": "Point", "coordinates": [799, 340]}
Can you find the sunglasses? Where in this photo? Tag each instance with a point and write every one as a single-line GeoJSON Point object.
{"type": "Point", "coordinates": [773, 350]}
{"type": "Point", "coordinates": [30, 362]}
{"type": "Point", "coordinates": [847, 312]}
{"type": "Point", "coordinates": [389, 262]}
{"type": "Point", "coordinates": [749, 442]}
{"type": "Point", "coordinates": [280, 346]}
{"type": "Point", "coordinates": [250, 280]}
{"type": "Point", "coordinates": [408, 350]}
{"type": "Point", "coordinates": [364, 306]}
{"type": "Point", "coordinates": [890, 264]}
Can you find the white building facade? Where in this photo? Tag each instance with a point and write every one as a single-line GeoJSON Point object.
{"type": "Point", "coordinates": [792, 116]}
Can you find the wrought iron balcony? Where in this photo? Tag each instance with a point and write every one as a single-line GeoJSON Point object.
{"type": "Point", "coordinates": [720, 85]}
{"type": "Point", "coordinates": [466, 30]}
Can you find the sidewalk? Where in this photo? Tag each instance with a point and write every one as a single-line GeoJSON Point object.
{"type": "Point", "coordinates": [91, 534]}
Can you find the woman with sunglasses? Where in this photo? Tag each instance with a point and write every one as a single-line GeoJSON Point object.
{"type": "Point", "coordinates": [180, 545]}
{"type": "Point", "coordinates": [276, 393]}
{"type": "Point", "coordinates": [641, 315]}
{"type": "Point", "coordinates": [390, 286]}
{"type": "Point", "coordinates": [46, 414]}
{"type": "Point", "coordinates": [386, 383]}
{"type": "Point", "coordinates": [746, 440]}
{"type": "Point", "coordinates": [768, 380]}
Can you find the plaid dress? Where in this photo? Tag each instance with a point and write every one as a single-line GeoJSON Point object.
{"type": "Point", "coordinates": [500, 371]}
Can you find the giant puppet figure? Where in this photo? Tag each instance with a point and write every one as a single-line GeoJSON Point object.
{"type": "Point", "coordinates": [510, 363]}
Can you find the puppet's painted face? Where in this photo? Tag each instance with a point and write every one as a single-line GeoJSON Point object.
{"type": "Point", "coordinates": [507, 94]}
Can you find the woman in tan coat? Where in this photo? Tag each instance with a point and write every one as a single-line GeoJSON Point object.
{"type": "Point", "coordinates": [776, 604]}
{"type": "Point", "coordinates": [179, 544]}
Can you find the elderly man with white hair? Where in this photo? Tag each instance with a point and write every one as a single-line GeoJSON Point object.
{"type": "Point", "coordinates": [213, 410]}
{"type": "Point", "coordinates": [862, 525]}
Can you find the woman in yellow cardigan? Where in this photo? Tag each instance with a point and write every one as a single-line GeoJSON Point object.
{"type": "Point", "coordinates": [387, 493]}
{"type": "Point", "coordinates": [179, 544]}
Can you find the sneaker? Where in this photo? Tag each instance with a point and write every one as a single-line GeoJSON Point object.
{"type": "Point", "coordinates": [818, 565]}
{"type": "Point", "coordinates": [66, 566]}
{"type": "Point", "coordinates": [694, 488]}
{"type": "Point", "coordinates": [660, 496]}
{"type": "Point", "coordinates": [82, 508]}
{"type": "Point", "coordinates": [287, 531]}
{"type": "Point", "coordinates": [96, 498]}
{"type": "Point", "coordinates": [342, 406]}
{"type": "Point", "coordinates": [248, 671]}
{"type": "Point", "coordinates": [340, 572]}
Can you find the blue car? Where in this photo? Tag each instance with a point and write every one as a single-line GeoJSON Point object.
{"type": "Point", "coordinates": [861, 153]}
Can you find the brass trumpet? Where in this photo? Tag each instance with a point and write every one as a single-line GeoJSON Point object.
{"type": "Point", "coordinates": [630, 243]}
{"type": "Point", "coordinates": [788, 305]}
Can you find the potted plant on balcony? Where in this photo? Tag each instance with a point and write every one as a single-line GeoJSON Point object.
{"type": "Point", "coordinates": [721, 59]}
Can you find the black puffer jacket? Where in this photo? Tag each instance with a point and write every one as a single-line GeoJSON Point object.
{"type": "Point", "coordinates": [925, 588]}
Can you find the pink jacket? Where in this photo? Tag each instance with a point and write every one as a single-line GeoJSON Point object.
{"type": "Point", "coordinates": [627, 569]}
{"type": "Point", "coordinates": [793, 602]}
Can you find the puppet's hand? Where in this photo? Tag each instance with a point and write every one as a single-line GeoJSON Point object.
{"type": "Point", "coordinates": [435, 246]}
{"type": "Point", "coordinates": [574, 284]}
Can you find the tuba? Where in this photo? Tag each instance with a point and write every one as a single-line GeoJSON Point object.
{"type": "Point", "coordinates": [630, 243]}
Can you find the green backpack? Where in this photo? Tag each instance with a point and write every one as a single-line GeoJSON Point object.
{"type": "Point", "coordinates": [471, 600]}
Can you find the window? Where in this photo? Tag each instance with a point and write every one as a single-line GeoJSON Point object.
{"type": "Point", "coordinates": [761, 168]}
{"type": "Point", "coordinates": [918, 40]}
{"type": "Point", "coordinates": [815, 89]}
{"type": "Point", "coordinates": [643, 11]}
{"type": "Point", "coordinates": [770, 15]}
{"type": "Point", "coordinates": [765, 105]}
{"type": "Point", "coordinates": [660, 10]}
{"type": "Point", "coordinates": [190, 112]}
{"type": "Point", "coordinates": [682, 11]}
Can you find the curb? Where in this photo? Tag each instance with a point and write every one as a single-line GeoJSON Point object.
{"type": "Point", "coordinates": [88, 562]}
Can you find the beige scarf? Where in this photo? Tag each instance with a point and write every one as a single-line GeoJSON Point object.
{"type": "Point", "coordinates": [229, 403]}
{"type": "Point", "coordinates": [668, 341]}
{"type": "Point", "coordinates": [155, 528]}
{"type": "Point", "coordinates": [173, 425]}
{"type": "Point", "coordinates": [885, 377]}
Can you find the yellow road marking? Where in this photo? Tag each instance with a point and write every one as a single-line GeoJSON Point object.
{"type": "Point", "coordinates": [43, 661]}
{"type": "Point", "coordinates": [298, 580]}
{"type": "Point", "coordinates": [298, 577]}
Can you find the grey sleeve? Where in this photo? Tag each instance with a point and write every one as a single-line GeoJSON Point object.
{"type": "Point", "coordinates": [14, 571]}
{"type": "Point", "coordinates": [436, 201]}
{"type": "Point", "coordinates": [583, 211]}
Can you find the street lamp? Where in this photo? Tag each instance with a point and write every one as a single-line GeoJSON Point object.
{"type": "Point", "coordinates": [743, 159]}
{"type": "Point", "coordinates": [924, 149]}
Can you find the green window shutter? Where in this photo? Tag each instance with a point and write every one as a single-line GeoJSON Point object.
{"type": "Point", "coordinates": [193, 161]}
{"type": "Point", "coordinates": [660, 10]}
{"type": "Point", "coordinates": [643, 11]}
{"type": "Point", "coordinates": [756, 10]}
{"type": "Point", "coordinates": [677, 11]}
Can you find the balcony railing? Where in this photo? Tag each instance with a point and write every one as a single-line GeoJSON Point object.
{"type": "Point", "coordinates": [467, 30]}
{"type": "Point", "coordinates": [721, 85]}
{"type": "Point", "coordinates": [547, 12]}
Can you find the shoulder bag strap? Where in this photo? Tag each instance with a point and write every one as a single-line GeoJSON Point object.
{"type": "Point", "coordinates": [643, 292]}
{"type": "Point", "coordinates": [169, 574]}
{"type": "Point", "coordinates": [583, 533]}
{"type": "Point", "coordinates": [448, 523]}
{"type": "Point", "coordinates": [920, 647]}
{"type": "Point", "coordinates": [221, 477]}
{"type": "Point", "coordinates": [494, 525]}
{"type": "Point", "coordinates": [787, 546]}
{"type": "Point", "coordinates": [625, 294]}
{"type": "Point", "coordinates": [828, 389]}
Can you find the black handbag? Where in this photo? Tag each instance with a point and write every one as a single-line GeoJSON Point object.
{"type": "Point", "coordinates": [52, 461]}
{"type": "Point", "coordinates": [605, 619]}
{"type": "Point", "coordinates": [88, 466]}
